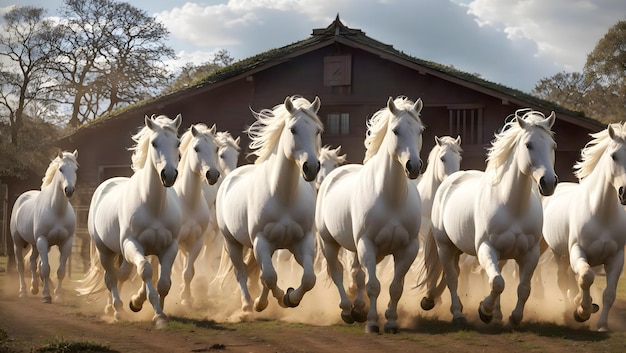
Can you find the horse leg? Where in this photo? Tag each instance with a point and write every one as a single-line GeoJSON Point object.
{"type": "Point", "coordinates": [489, 262]}
{"type": "Point", "coordinates": [235, 252]}
{"type": "Point", "coordinates": [34, 271]}
{"type": "Point", "coordinates": [18, 248]}
{"type": "Point", "coordinates": [449, 256]}
{"type": "Point", "coordinates": [527, 265]}
{"type": "Point", "coordinates": [357, 290]}
{"type": "Point", "coordinates": [189, 273]}
{"type": "Point", "coordinates": [584, 278]}
{"type": "Point", "coordinates": [115, 305]}
{"type": "Point", "coordinates": [330, 250]}
{"type": "Point", "coordinates": [65, 250]}
{"type": "Point", "coordinates": [613, 268]}
{"type": "Point", "coordinates": [164, 283]}
{"type": "Point", "coordinates": [402, 260]}
{"type": "Point", "coordinates": [304, 254]}
{"type": "Point", "coordinates": [366, 252]}
{"type": "Point", "coordinates": [42, 248]}
{"type": "Point", "coordinates": [564, 276]}
{"type": "Point", "coordinates": [263, 252]}
{"type": "Point", "coordinates": [134, 253]}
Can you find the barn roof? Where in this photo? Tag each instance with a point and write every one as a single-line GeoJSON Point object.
{"type": "Point", "coordinates": [337, 32]}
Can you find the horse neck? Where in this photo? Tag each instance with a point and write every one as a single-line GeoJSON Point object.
{"type": "Point", "coordinates": [389, 177]}
{"type": "Point", "coordinates": [429, 182]}
{"type": "Point", "coordinates": [283, 174]}
{"type": "Point", "coordinates": [54, 194]}
{"type": "Point", "coordinates": [150, 187]}
{"type": "Point", "coordinates": [188, 184]}
{"type": "Point", "coordinates": [514, 188]}
{"type": "Point", "coordinates": [601, 195]}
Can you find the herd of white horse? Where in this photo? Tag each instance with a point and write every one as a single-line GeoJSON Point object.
{"type": "Point", "coordinates": [187, 195]}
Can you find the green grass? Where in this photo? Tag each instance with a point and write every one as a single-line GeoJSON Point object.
{"type": "Point", "coordinates": [63, 346]}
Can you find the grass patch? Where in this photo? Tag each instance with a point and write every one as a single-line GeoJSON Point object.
{"type": "Point", "coordinates": [63, 346]}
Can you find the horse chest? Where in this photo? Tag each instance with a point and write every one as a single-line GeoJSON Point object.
{"type": "Point", "coordinates": [390, 234]}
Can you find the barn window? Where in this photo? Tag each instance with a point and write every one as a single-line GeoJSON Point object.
{"type": "Point", "coordinates": [338, 123]}
{"type": "Point", "coordinates": [467, 123]}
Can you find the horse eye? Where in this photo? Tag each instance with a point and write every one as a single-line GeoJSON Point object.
{"type": "Point", "coordinates": [293, 130]}
{"type": "Point", "coordinates": [443, 159]}
{"type": "Point", "coordinates": [614, 156]}
{"type": "Point", "coordinates": [154, 144]}
{"type": "Point", "coordinates": [197, 149]}
{"type": "Point", "coordinates": [395, 131]}
{"type": "Point", "coordinates": [529, 145]}
{"type": "Point", "coordinates": [222, 156]}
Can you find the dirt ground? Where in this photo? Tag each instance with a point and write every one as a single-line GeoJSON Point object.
{"type": "Point", "coordinates": [213, 324]}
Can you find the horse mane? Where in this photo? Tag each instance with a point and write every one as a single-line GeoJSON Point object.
{"type": "Point", "coordinates": [377, 125]}
{"type": "Point", "coordinates": [54, 165]}
{"type": "Point", "coordinates": [142, 139]}
{"type": "Point", "coordinates": [185, 140]}
{"type": "Point", "coordinates": [226, 139]}
{"type": "Point", "coordinates": [265, 132]}
{"type": "Point", "coordinates": [329, 154]}
{"type": "Point", "coordinates": [506, 140]}
{"type": "Point", "coordinates": [594, 149]}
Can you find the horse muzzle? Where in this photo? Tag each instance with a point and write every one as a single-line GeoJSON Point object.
{"type": "Point", "coordinates": [622, 195]}
{"type": "Point", "coordinates": [212, 176]}
{"type": "Point", "coordinates": [168, 178]}
{"type": "Point", "coordinates": [413, 169]}
{"type": "Point", "coordinates": [69, 191]}
{"type": "Point", "coordinates": [310, 170]}
{"type": "Point", "coordinates": [548, 185]}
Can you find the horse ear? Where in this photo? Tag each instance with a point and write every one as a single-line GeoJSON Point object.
{"type": "Point", "coordinates": [178, 120]}
{"type": "Point", "coordinates": [194, 131]}
{"type": "Point", "coordinates": [437, 141]}
{"type": "Point", "coordinates": [418, 105]}
{"type": "Point", "coordinates": [612, 133]}
{"type": "Point", "coordinates": [315, 106]}
{"type": "Point", "coordinates": [458, 139]}
{"type": "Point", "coordinates": [551, 119]}
{"type": "Point", "coordinates": [522, 123]}
{"type": "Point", "coordinates": [60, 155]}
{"type": "Point", "coordinates": [392, 106]}
{"type": "Point", "coordinates": [75, 153]}
{"type": "Point", "coordinates": [149, 123]}
{"type": "Point", "coordinates": [289, 105]}
{"type": "Point", "coordinates": [337, 149]}
{"type": "Point", "coordinates": [237, 140]}
{"type": "Point", "coordinates": [213, 129]}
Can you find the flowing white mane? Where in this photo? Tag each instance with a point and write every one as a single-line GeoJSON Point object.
{"type": "Point", "coordinates": [594, 149]}
{"type": "Point", "coordinates": [327, 153]}
{"type": "Point", "coordinates": [141, 138]}
{"type": "Point", "coordinates": [506, 141]}
{"type": "Point", "coordinates": [226, 139]}
{"type": "Point", "coordinates": [377, 125]}
{"type": "Point", "coordinates": [265, 132]}
{"type": "Point", "coordinates": [54, 165]}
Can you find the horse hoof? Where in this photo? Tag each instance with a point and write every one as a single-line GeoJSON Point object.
{"type": "Point", "coordinates": [460, 321]}
{"type": "Point", "coordinates": [160, 321]}
{"type": "Point", "coordinates": [358, 316]}
{"type": "Point", "coordinates": [34, 290]}
{"type": "Point", "coordinates": [22, 295]}
{"type": "Point", "coordinates": [133, 307]}
{"type": "Point", "coordinates": [186, 303]}
{"type": "Point", "coordinates": [260, 305]}
{"type": "Point", "coordinates": [389, 328]}
{"type": "Point", "coordinates": [427, 304]}
{"type": "Point", "coordinates": [484, 317]}
{"type": "Point", "coordinates": [372, 328]}
{"type": "Point", "coordinates": [579, 318]}
{"type": "Point", "coordinates": [603, 329]}
{"type": "Point", "coordinates": [288, 303]}
{"type": "Point", "coordinates": [514, 322]}
{"type": "Point", "coordinates": [47, 299]}
{"type": "Point", "coordinates": [347, 318]}
{"type": "Point", "coordinates": [594, 308]}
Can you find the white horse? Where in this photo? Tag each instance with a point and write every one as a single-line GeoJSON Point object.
{"type": "Point", "coordinates": [585, 223]}
{"type": "Point", "coordinates": [43, 219]}
{"type": "Point", "coordinates": [198, 166]}
{"type": "Point", "coordinates": [267, 205]}
{"type": "Point", "coordinates": [228, 157]}
{"type": "Point", "coordinates": [136, 217]}
{"type": "Point", "coordinates": [443, 160]}
{"type": "Point", "coordinates": [494, 215]}
{"type": "Point", "coordinates": [369, 209]}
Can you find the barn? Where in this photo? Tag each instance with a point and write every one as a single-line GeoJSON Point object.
{"type": "Point", "coordinates": [352, 74]}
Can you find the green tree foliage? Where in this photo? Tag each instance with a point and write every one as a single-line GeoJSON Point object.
{"type": "Point", "coordinates": [600, 90]}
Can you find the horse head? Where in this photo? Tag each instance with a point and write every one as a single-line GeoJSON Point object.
{"type": "Point", "coordinates": [536, 148]}
{"type": "Point", "coordinates": [447, 156]}
{"type": "Point", "coordinates": [618, 160]}
{"type": "Point", "coordinates": [329, 160]}
{"type": "Point", "coordinates": [163, 147]}
{"type": "Point", "coordinates": [228, 153]}
{"type": "Point", "coordinates": [404, 136]}
{"type": "Point", "coordinates": [67, 169]}
{"type": "Point", "coordinates": [205, 147]}
{"type": "Point", "coordinates": [301, 135]}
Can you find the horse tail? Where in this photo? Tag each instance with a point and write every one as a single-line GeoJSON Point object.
{"type": "Point", "coordinates": [225, 267]}
{"type": "Point", "coordinates": [93, 281]}
{"type": "Point", "coordinates": [431, 270]}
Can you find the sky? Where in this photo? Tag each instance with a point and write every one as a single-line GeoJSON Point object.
{"type": "Point", "coordinates": [510, 42]}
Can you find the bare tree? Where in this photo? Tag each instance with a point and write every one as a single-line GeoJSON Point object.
{"type": "Point", "coordinates": [24, 59]}
{"type": "Point", "coordinates": [191, 74]}
{"type": "Point", "coordinates": [111, 54]}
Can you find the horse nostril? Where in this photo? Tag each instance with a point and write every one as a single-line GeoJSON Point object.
{"type": "Point", "coordinates": [621, 190]}
{"type": "Point", "coordinates": [305, 167]}
{"type": "Point", "coordinates": [542, 183]}
{"type": "Point", "coordinates": [69, 191]}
